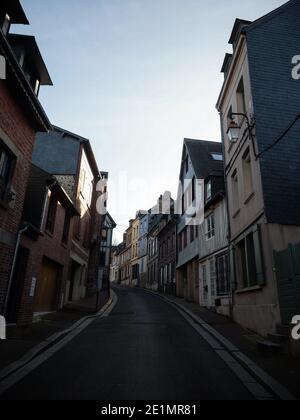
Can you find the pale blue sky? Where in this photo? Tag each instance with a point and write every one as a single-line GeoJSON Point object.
{"type": "Point", "coordinates": [136, 77]}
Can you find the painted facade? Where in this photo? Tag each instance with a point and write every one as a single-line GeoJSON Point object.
{"type": "Point", "coordinates": [261, 184]}
{"type": "Point", "coordinates": [197, 163]}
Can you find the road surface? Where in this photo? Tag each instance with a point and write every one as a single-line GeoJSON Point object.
{"type": "Point", "coordinates": [145, 350]}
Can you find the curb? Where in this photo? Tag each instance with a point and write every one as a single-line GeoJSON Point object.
{"type": "Point", "coordinates": [235, 354]}
{"type": "Point", "coordinates": [53, 342]}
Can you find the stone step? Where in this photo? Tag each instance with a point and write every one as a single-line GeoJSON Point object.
{"type": "Point", "coordinates": [269, 348]}
{"type": "Point", "coordinates": [278, 338]}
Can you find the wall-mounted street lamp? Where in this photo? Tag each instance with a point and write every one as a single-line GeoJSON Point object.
{"type": "Point", "coordinates": [233, 131]}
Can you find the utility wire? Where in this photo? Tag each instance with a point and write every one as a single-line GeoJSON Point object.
{"type": "Point", "coordinates": [280, 137]}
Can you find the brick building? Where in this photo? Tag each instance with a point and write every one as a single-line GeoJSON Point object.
{"type": "Point", "coordinates": [21, 116]}
{"type": "Point", "coordinates": [70, 158]}
{"type": "Point", "coordinates": [42, 264]}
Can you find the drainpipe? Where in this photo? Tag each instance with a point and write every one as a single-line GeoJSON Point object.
{"type": "Point", "coordinates": [13, 269]}
{"type": "Point", "coordinates": [16, 256]}
{"type": "Point", "coordinates": [228, 217]}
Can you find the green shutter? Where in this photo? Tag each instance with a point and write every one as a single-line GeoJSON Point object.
{"type": "Point", "coordinates": [233, 284]}
{"type": "Point", "coordinates": [260, 275]}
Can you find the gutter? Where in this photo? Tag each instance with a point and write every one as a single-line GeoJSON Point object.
{"type": "Point", "coordinates": [228, 220]}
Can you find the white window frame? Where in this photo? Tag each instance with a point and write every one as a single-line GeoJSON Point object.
{"type": "Point", "coordinates": [210, 227]}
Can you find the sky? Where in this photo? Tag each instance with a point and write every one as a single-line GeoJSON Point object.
{"type": "Point", "coordinates": [136, 77]}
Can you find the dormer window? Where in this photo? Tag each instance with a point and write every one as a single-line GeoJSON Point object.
{"type": "Point", "coordinates": [6, 24]}
{"type": "Point", "coordinates": [37, 87]}
{"type": "Point", "coordinates": [217, 156]}
{"type": "Point", "coordinates": [208, 191]}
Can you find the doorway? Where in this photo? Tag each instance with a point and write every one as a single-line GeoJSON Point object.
{"type": "Point", "coordinates": [47, 287]}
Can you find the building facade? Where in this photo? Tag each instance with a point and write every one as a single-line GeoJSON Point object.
{"type": "Point", "coordinates": [125, 257]}
{"type": "Point", "coordinates": [262, 167]}
{"type": "Point", "coordinates": [42, 264]}
{"type": "Point", "coordinates": [214, 269]}
{"type": "Point", "coordinates": [197, 163]}
{"type": "Point", "coordinates": [135, 273]}
{"type": "Point", "coordinates": [21, 116]}
{"type": "Point", "coordinates": [70, 158]}
{"type": "Point", "coordinates": [142, 249]}
{"type": "Point", "coordinates": [108, 226]}
{"type": "Point", "coordinates": [167, 254]}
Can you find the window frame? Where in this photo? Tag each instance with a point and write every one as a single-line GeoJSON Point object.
{"type": "Point", "coordinates": [208, 190]}
{"type": "Point", "coordinates": [210, 227]}
{"type": "Point", "coordinates": [51, 214]}
{"type": "Point", "coordinates": [7, 179]}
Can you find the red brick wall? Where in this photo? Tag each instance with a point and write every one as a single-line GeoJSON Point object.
{"type": "Point", "coordinates": [51, 247]}
{"type": "Point", "coordinates": [19, 130]}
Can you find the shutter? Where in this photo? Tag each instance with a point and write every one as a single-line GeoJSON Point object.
{"type": "Point", "coordinates": [260, 275]}
{"type": "Point", "coordinates": [233, 283]}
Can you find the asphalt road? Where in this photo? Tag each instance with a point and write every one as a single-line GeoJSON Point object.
{"type": "Point", "coordinates": [145, 350]}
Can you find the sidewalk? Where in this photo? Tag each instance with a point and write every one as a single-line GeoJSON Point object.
{"type": "Point", "coordinates": [285, 369]}
{"type": "Point", "coordinates": [21, 340]}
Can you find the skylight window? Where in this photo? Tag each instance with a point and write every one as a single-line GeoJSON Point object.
{"type": "Point", "coordinates": [217, 156]}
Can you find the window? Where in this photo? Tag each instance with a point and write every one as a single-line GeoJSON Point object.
{"type": "Point", "coordinates": [102, 258]}
{"type": "Point", "coordinates": [241, 99]}
{"type": "Point", "coordinates": [6, 24]}
{"type": "Point", "coordinates": [208, 191]}
{"type": "Point", "coordinates": [185, 238]}
{"type": "Point", "coordinates": [77, 228]}
{"type": "Point", "coordinates": [180, 242]}
{"type": "Point", "coordinates": [235, 191]}
{"type": "Point", "coordinates": [194, 189]}
{"type": "Point", "coordinates": [223, 284]}
{"type": "Point", "coordinates": [66, 229]}
{"type": "Point", "coordinates": [217, 156]}
{"type": "Point", "coordinates": [186, 164]}
{"type": "Point", "coordinates": [249, 260]}
{"type": "Point", "coordinates": [183, 203]}
{"type": "Point", "coordinates": [7, 163]}
{"type": "Point", "coordinates": [247, 172]}
{"type": "Point", "coordinates": [37, 87]}
{"type": "Point", "coordinates": [50, 223]}
{"type": "Point", "coordinates": [210, 227]}
{"type": "Point", "coordinates": [86, 241]}
{"type": "Point", "coordinates": [192, 233]}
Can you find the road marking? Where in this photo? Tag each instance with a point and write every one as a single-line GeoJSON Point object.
{"type": "Point", "coordinates": [212, 337]}
{"type": "Point", "coordinates": [19, 370]}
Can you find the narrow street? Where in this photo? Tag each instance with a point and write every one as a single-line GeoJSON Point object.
{"type": "Point", "coordinates": [145, 350]}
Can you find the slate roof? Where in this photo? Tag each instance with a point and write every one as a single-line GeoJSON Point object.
{"type": "Point", "coordinates": [200, 152]}
{"type": "Point", "coordinates": [35, 196]}
{"type": "Point", "coordinates": [15, 10]}
{"type": "Point", "coordinates": [33, 54]}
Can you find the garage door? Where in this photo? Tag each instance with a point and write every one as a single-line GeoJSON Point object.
{"type": "Point", "coordinates": [48, 287]}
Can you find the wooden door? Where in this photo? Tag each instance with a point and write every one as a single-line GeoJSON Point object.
{"type": "Point", "coordinates": [47, 287]}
